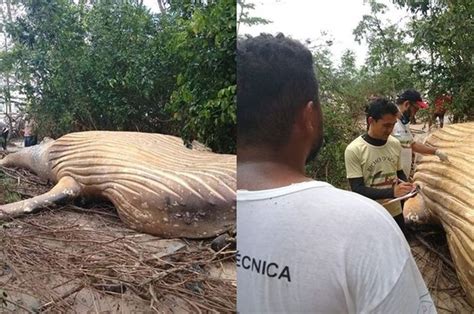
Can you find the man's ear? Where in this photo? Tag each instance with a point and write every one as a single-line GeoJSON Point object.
{"type": "Point", "coordinates": [309, 117]}
{"type": "Point", "coordinates": [370, 120]}
{"type": "Point", "coordinates": [406, 104]}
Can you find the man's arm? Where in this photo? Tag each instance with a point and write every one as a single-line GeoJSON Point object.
{"type": "Point", "coordinates": [401, 175]}
{"type": "Point", "coordinates": [428, 150]}
{"type": "Point", "coordinates": [422, 148]}
{"type": "Point", "coordinates": [355, 175]}
{"type": "Point", "coordinates": [383, 276]}
{"type": "Point", "coordinates": [409, 294]}
{"type": "Point", "coordinates": [358, 186]}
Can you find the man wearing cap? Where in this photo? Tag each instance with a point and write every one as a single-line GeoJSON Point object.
{"type": "Point", "coordinates": [409, 102]}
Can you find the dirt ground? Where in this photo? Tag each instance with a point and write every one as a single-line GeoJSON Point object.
{"type": "Point", "coordinates": [74, 260]}
{"type": "Point", "coordinates": [81, 258]}
{"type": "Point", "coordinates": [431, 253]}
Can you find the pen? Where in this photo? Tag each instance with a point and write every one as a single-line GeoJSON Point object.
{"type": "Point", "coordinates": [397, 181]}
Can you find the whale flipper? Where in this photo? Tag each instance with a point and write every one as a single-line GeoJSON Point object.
{"type": "Point", "coordinates": [67, 188]}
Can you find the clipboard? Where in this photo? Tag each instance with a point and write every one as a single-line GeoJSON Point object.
{"type": "Point", "coordinates": [411, 194]}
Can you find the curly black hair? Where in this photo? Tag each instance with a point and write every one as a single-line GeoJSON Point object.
{"type": "Point", "coordinates": [275, 78]}
{"type": "Point", "coordinates": [380, 107]}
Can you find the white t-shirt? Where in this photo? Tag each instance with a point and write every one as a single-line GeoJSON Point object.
{"type": "Point", "coordinates": [310, 247]}
{"type": "Point", "coordinates": [403, 134]}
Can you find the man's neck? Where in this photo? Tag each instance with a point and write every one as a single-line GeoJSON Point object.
{"type": "Point", "coordinates": [262, 170]}
{"type": "Point", "coordinates": [254, 176]}
{"type": "Point", "coordinates": [375, 136]}
{"type": "Point", "coordinates": [373, 141]}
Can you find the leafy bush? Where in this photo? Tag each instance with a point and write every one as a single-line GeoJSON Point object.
{"type": "Point", "coordinates": [116, 66]}
{"type": "Point", "coordinates": [339, 130]}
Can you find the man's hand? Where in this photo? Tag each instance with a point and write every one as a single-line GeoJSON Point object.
{"type": "Point", "coordinates": [441, 155]}
{"type": "Point", "coordinates": [402, 189]}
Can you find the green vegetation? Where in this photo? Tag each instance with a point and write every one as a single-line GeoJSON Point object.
{"type": "Point", "coordinates": [433, 54]}
{"type": "Point", "coordinates": [107, 65]}
{"type": "Point", "coordinates": [342, 96]}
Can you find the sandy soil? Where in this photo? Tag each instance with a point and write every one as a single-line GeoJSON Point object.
{"type": "Point", "coordinates": [81, 258]}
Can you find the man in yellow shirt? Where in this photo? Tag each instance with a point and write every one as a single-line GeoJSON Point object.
{"type": "Point", "coordinates": [373, 160]}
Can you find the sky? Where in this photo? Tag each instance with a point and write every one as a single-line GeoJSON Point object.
{"type": "Point", "coordinates": [152, 4]}
{"type": "Point", "coordinates": [306, 19]}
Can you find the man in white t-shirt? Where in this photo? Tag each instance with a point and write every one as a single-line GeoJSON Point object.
{"type": "Point", "coordinates": [303, 245]}
{"type": "Point", "coordinates": [409, 102]}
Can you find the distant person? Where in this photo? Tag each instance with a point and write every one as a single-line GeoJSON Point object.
{"type": "Point", "coordinates": [440, 110]}
{"type": "Point", "coordinates": [4, 130]}
{"type": "Point", "coordinates": [30, 132]}
{"type": "Point", "coordinates": [409, 102]}
{"type": "Point", "coordinates": [303, 245]}
{"type": "Point", "coordinates": [372, 160]}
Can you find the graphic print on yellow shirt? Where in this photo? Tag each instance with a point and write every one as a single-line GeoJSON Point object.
{"type": "Point", "coordinates": [378, 165]}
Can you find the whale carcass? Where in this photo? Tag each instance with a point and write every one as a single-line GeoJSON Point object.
{"type": "Point", "coordinates": [447, 196]}
{"type": "Point", "coordinates": [158, 185]}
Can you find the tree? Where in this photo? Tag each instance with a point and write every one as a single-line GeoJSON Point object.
{"type": "Point", "coordinates": [8, 85]}
{"type": "Point", "coordinates": [444, 31]}
{"type": "Point", "coordinates": [388, 64]}
{"type": "Point", "coordinates": [204, 43]}
{"type": "Point", "coordinates": [342, 99]}
{"type": "Point", "coordinates": [116, 66]}
{"type": "Point", "coordinates": [244, 15]}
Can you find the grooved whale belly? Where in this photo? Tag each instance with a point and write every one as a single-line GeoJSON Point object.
{"type": "Point", "coordinates": [157, 184]}
{"type": "Point", "coordinates": [448, 194]}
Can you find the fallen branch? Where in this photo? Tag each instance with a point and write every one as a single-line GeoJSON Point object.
{"type": "Point", "coordinates": [433, 250]}
{"type": "Point", "coordinates": [17, 305]}
{"type": "Point", "coordinates": [60, 298]}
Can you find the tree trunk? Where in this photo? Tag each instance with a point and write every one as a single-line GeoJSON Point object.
{"type": "Point", "coordinates": [7, 91]}
{"type": "Point", "coordinates": [161, 6]}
